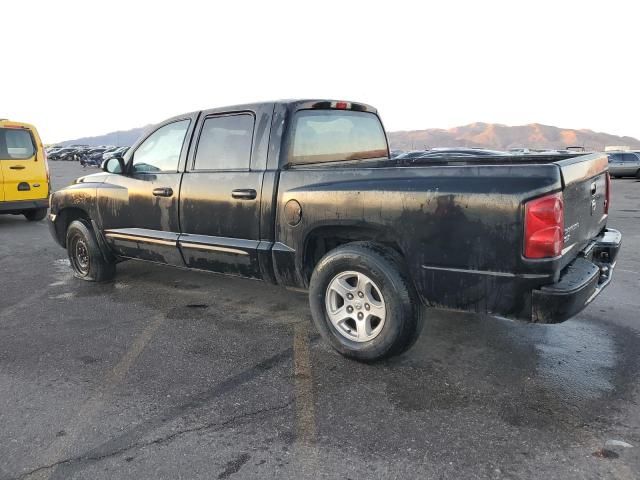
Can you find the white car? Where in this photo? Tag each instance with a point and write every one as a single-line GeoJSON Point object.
{"type": "Point", "coordinates": [624, 164]}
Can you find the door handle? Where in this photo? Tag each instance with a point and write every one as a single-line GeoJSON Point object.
{"type": "Point", "coordinates": [17, 167]}
{"type": "Point", "coordinates": [244, 194]}
{"type": "Point", "coordinates": [163, 192]}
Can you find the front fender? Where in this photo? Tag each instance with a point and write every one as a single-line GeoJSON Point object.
{"type": "Point", "coordinates": [75, 201]}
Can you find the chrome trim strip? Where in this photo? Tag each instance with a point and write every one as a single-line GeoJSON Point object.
{"type": "Point", "coordinates": [213, 248]}
{"type": "Point", "coordinates": [135, 238]}
{"type": "Point", "coordinates": [488, 272]}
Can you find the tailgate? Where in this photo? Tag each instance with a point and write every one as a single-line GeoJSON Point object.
{"type": "Point", "coordinates": [585, 186]}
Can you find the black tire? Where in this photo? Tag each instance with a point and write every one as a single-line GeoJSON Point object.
{"type": "Point", "coordinates": [36, 214]}
{"type": "Point", "coordinates": [404, 311]}
{"type": "Point", "coordinates": [85, 255]}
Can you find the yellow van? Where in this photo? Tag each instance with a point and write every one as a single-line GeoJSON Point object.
{"type": "Point", "coordinates": [24, 173]}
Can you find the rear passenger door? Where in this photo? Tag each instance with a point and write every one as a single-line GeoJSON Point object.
{"type": "Point", "coordinates": [221, 194]}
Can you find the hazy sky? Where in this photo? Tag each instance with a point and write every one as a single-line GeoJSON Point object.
{"type": "Point", "coordinates": [91, 67]}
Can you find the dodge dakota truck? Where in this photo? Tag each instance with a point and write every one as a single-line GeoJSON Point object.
{"type": "Point", "coordinates": [303, 194]}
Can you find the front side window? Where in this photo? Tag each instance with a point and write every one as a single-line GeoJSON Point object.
{"type": "Point", "coordinates": [160, 152]}
{"type": "Point", "coordinates": [16, 144]}
{"type": "Point", "coordinates": [225, 143]}
{"type": "Point", "coordinates": [335, 135]}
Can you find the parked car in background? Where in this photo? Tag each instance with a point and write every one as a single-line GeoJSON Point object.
{"type": "Point", "coordinates": [92, 157]}
{"type": "Point", "coordinates": [86, 155]}
{"type": "Point", "coordinates": [439, 155]}
{"type": "Point", "coordinates": [624, 164]}
{"type": "Point", "coordinates": [460, 152]}
{"type": "Point", "coordinates": [67, 154]}
{"type": "Point", "coordinates": [58, 153]}
{"type": "Point", "coordinates": [24, 173]}
{"type": "Point", "coordinates": [117, 152]}
{"type": "Point", "coordinates": [411, 154]}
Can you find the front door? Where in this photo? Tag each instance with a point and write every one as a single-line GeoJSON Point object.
{"type": "Point", "coordinates": [220, 196]}
{"type": "Point", "coordinates": [139, 208]}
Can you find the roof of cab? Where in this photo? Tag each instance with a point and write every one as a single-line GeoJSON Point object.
{"type": "Point", "coordinates": [5, 122]}
{"type": "Point", "coordinates": [325, 103]}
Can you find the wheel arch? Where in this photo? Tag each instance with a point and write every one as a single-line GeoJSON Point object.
{"type": "Point", "coordinates": [323, 239]}
{"type": "Point", "coordinates": [64, 219]}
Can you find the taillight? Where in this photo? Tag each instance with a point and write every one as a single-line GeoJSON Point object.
{"type": "Point", "coordinates": [607, 194]}
{"type": "Point", "coordinates": [544, 227]}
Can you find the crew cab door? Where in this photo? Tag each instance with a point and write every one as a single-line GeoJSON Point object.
{"type": "Point", "coordinates": [221, 193]}
{"type": "Point", "coordinates": [139, 207]}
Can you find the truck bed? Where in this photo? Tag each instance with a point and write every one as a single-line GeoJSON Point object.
{"type": "Point", "coordinates": [460, 221]}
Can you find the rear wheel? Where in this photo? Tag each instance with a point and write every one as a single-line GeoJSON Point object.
{"type": "Point", "coordinates": [85, 255]}
{"type": "Point", "coordinates": [35, 215]}
{"type": "Point", "coordinates": [363, 303]}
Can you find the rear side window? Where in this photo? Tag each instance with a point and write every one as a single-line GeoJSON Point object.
{"type": "Point", "coordinates": [225, 143]}
{"type": "Point", "coordinates": [16, 144]}
{"type": "Point", "coordinates": [335, 135]}
{"type": "Point", "coordinates": [629, 157]}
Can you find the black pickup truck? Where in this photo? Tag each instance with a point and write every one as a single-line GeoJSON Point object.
{"type": "Point", "coordinates": [303, 194]}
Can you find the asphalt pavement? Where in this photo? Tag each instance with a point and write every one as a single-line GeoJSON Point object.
{"type": "Point", "coordinates": [166, 373]}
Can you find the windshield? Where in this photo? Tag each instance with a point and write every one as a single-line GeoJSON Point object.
{"type": "Point", "coordinates": [16, 144]}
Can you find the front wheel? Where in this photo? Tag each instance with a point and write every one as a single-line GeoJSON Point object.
{"type": "Point", "coordinates": [363, 303]}
{"type": "Point", "coordinates": [85, 255]}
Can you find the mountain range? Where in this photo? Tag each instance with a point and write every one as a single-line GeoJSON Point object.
{"type": "Point", "coordinates": [121, 138]}
{"type": "Point", "coordinates": [479, 134]}
{"type": "Point", "coordinates": [503, 137]}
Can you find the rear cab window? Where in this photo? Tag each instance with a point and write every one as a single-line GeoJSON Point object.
{"type": "Point", "coordinates": [16, 144]}
{"type": "Point", "coordinates": [321, 136]}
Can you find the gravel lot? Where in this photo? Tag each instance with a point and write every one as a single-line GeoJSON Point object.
{"type": "Point", "coordinates": [167, 373]}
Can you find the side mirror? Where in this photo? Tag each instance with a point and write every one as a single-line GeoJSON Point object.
{"type": "Point", "coordinates": [113, 165]}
